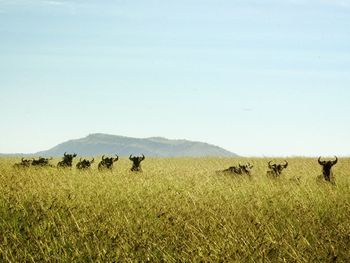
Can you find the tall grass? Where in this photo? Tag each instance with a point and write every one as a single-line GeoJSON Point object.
{"type": "Point", "coordinates": [175, 210]}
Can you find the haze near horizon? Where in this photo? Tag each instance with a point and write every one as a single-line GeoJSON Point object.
{"type": "Point", "coordinates": [258, 78]}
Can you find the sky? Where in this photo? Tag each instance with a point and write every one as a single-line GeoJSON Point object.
{"type": "Point", "coordinates": [256, 77]}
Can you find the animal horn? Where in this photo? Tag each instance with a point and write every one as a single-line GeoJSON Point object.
{"type": "Point", "coordinates": [103, 157]}
{"type": "Point", "coordinates": [335, 161]}
{"type": "Point", "coordinates": [270, 166]}
{"type": "Point", "coordinates": [130, 157]}
{"type": "Point", "coordinates": [143, 157]}
{"type": "Point", "coordinates": [117, 157]}
{"type": "Point", "coordinates": [65, 153]}
{"type": "Point", "coordinates": [321, 162]}
{"type": "Point", "coordinates": [286, 164]}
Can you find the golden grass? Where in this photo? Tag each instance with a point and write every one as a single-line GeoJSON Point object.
{"type": "Point", "coordinates": [178, 209]}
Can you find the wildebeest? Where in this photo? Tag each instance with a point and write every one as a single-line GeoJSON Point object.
{"type": "Point", "coordinates": [84, 164]}
{"type": "Point", "coordinates": [276, 169]}
{"type": "Point", "coordinates": [240, 170]}
{"type": "Point", "coordinates": [246, 168]}
{"type": "Point", "coordinates": [23, 163]}
{"type": "Point", "coordinates": [41, 161]}
{"type": "Point", "coordinates": [107, 162]}
{"type": "Point", "coordinates": [67, 160]}
{"type": "Point", "coordinates": [136, 162]}
{"type": "Point", "coordinates": [327, 168]}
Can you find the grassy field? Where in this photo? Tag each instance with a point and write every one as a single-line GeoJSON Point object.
{"type": "Point", "coordinates": [176, 210]}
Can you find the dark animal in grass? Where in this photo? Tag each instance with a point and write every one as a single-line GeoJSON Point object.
{"type": "Point", "coordinates": [240, 170]}
{"type": "Point", "coordinates": [276, 169]}
{"type": "Point", "coordinates": [24, 163]}
{"type": "Point", "coordinates": [136, 162]}
{"type": "Point", "coordinates": [327, 168]}
{"type": "Point", "coordinates": [246, 168]}
{"type": "Point", "coordinates": [107, 162]}
{"type": "Point", "coordinates": [41, 161]}
{"type": "Point", "coordinates": [84, 164]}
{"type": "Point", "coordinates": [231, 169]}
{"type": "Point", "coordinates": [67, 160]}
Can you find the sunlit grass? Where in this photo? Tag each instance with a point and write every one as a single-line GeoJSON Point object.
{"type": "Point", "coordinates": [175, 210]}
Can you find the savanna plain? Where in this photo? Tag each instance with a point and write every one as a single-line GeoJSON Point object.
{"type": "Point", "coordinates": [176, 210]}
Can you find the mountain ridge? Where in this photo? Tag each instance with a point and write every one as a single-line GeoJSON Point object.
{"type": "Point", "coordinates": [157, 146]}
{"type": "Point", "coordinates": [100, 143]}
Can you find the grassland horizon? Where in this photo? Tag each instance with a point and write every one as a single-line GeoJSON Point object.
{"type": "Point", "coordinates": [177, 209]}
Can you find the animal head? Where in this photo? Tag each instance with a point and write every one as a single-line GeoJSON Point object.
{"type": "Point", "coordinates": [107, 162]}
{"type": "Point", "coordinates": [136, 162]}
{"type": "Point", "coordinates": [276, 169]}
{"type": "Point", "coordinates": [69, 157]}
{"type": "Point", "coordinates": [110, 159]}
{"type": "Point", "coordinates": [66, 155]}
{"type": "Point", "coordinates": [241, 169]}
{"type": "Point", "coordinates": [326, 167]}
{"type": "Point", "coordinates": [67, 160]}
{"type": "Point", "coordinates": [327, 164]}
{"type": "Point", "coordinates": [246, 168]}
{"type": "Point", "coordinates": [26, 161]}
{"type": "Point", "coordinates": [84, 164]}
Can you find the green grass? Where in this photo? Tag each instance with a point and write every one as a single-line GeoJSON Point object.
{"type": "Point", "coordinates": [176, 210]}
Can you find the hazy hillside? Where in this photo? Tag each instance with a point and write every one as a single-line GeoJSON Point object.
{"type": "Point", "coordinates": [97, 144]}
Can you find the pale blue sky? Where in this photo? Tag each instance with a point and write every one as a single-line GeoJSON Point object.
{"type": "Point", "coordinates": [258, 77]}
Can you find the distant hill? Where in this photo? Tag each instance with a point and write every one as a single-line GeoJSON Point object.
{"type": "Point", "coordinates": [98, 144]}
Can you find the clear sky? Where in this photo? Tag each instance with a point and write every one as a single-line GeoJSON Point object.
{"type": "Point", "coordinates": [257, 77]}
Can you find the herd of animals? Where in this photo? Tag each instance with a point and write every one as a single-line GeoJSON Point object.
{"type": "Point", "coordinates": [275, 170]}
{"type": "Point", "coordinates": [67, 161]}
